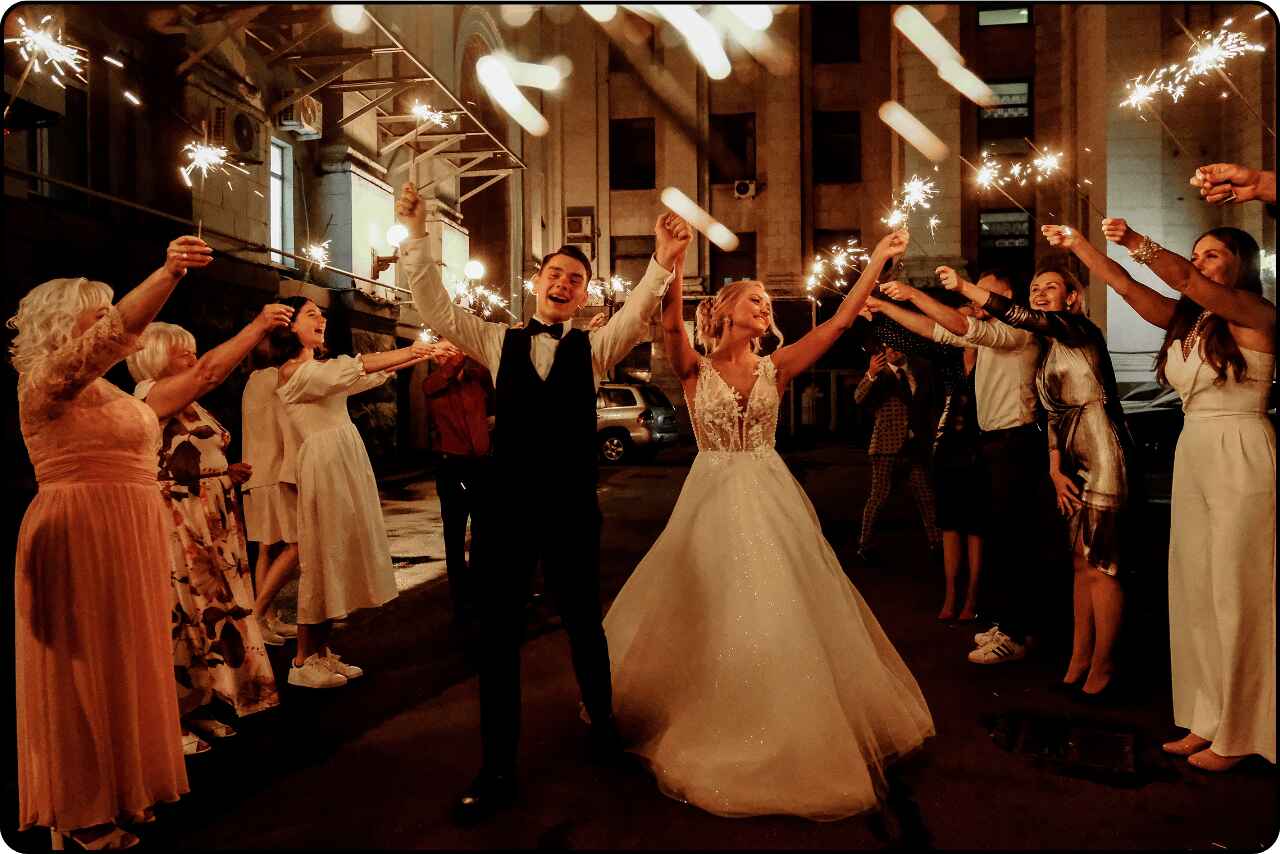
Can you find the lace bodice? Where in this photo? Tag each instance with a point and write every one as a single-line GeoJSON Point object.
{"type": "Point", "coordinates": [74, 420]}
{"type": "Point", "coordinates": [722, 421]}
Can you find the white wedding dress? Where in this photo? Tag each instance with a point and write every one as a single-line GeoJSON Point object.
{"type": "Point", "coordinates": [747, 671]}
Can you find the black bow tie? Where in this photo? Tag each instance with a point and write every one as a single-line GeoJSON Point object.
{"type": "Point", "coordinates": [537, 327]}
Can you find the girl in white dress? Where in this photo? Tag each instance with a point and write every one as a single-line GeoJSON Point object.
{"type": "Point", "coordinates": [748, 672]}
{"type": "Point", "coordinates": [1219, 353]}
{"type": "Point", "coordinates": [343, 550]}
{"type": "Point", "coordinates": [270, 447]}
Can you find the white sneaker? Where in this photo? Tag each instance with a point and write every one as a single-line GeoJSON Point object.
{"type": "Point", "coordinates": [315, 674]}
{"type": "Point", "coordinates": [269, 635]}
{"type": "Point", "coordinates": [984, 638]}
{"type": "Point", "coordinates": [334, 662]}
{"type": "Point", "coordinates": [1002, 648]}
{"type": "Point", "coordinates": [280, 627]}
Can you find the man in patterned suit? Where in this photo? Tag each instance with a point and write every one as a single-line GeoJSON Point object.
{"type": "Point", "coordinates": [902, 432]}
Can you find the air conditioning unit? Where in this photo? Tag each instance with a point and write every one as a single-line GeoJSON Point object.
{"type": "Point", "coordinates": [587, 248]}
{"type": "Point", "coordinates": [744, 189]}
{"type": "Point", "coordinates": [305, 117]}
{"type": "Point", "coordinates": [238, 131]}
{"type": "Point", "coordinates": [578, 226]}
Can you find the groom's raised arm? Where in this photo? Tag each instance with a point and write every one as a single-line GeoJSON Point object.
{"type": "Point", "coordinates": [479, 339]}
{"type": "Point", "coordinates": [612, 342]}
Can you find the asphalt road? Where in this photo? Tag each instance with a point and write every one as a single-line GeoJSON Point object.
{"type": "Point", "coordinates": [1013, 766]}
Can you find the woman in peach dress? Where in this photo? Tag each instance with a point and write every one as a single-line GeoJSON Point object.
{"type": "Point", "coordinates": [97, 717]}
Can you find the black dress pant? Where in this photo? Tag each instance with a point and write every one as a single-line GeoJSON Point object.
{"type": "Point", "coordinates": [461, 484]}
{"type": "Point", "coordinates": [1016, 581]}
{"type": "Point", "coordinates": [564, 537]}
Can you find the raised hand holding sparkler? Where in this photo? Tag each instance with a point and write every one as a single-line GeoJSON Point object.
{"type": "Point", "coordinates": [187, 253]}
{"type": "Point", "coordinates": [1061, 236]}
{"type": "Point", "coordinates": [950, 278]}
{"type": "Point", "coordinates": [1223, 183]}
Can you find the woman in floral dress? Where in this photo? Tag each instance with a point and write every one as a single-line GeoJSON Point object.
{"type": "Point", "coordinates": [218, 651]}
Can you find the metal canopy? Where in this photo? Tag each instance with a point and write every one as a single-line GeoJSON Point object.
{"type": "Point", "coordinates": [283, 34]}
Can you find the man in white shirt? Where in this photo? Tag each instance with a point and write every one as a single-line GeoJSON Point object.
{"type": "Point", "coordinates": [543, 506]}
{"type": "Point", "coordinates": [1013, 448]}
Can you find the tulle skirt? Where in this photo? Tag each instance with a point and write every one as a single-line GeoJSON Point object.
{"type": "Point", "coordinates": [748, 671]}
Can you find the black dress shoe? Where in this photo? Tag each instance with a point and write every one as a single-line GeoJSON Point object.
{"type": "Point", "coordinates": [487, 795]}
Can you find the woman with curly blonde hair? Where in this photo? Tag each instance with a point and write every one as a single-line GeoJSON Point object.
{"type": "Point", "coordinates": [96, 712]}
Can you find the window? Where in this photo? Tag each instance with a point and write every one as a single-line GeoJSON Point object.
{"type": "Point", "coordinates": [1002, 129]}
{"type": "Point", "coordinates": [613, 397]}
{"type": "Point", "coordinates": [837, 147]}
{"type": "Point", "coordinates": [1004, 240]}
{"type": "Point", "coordinates": [1004, 17]}
{"type": "Point", "coordinates": [733, 266]}
{"type": "Point", "coordinates": [632, 154]}
{"type": "Point", "coordinates": [631, 257]}
{"type": "Point", "coordinates": [835, 32]}
{"type": "Point", "coordinates": [737, 132]}
{"type": "Point", "coordinates": [281, 201]}
{"type": "Point", "coordinates": [1013, 99]}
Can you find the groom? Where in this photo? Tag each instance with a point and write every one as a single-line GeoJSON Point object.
{"type": "Point", "coordinates": [545, 380]}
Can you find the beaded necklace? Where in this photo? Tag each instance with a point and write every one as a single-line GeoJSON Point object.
{"type": "Point", "coordinates": [1189, 340]}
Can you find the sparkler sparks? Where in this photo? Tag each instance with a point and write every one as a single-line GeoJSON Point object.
{"type": "Point", "coordinates": [424, 114]}
{"type": "Point", "coordinates": [478, 299]}
{"type": "Point", "coordinates": [204, 159]}
{"type": "Point", "coordinates": [831, 270]}
{"type": "Point", "coordinates": [916, 193]}
{"type": "Point", "coordinates": [318, 253]}
{"type": "Point", "coordinates": [35, 45]}
{"type": "Point", "coordinates": [1214, 52]}
{"type": "Point", "coordinates": [426, 336]}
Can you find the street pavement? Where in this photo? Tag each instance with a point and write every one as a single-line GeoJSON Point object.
{"type": "Point", "coordinates": [1014, 765]}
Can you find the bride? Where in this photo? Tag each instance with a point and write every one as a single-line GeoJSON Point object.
{"type": "Point", "coordinates": [748, 672]}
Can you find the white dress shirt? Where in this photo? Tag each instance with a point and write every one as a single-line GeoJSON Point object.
{"type": "Point", "coordinates": [1004, 376]}
{"type": "Point", "coordinates": [482, 339]}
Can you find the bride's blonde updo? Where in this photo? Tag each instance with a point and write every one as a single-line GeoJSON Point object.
{"type": "Point", "coordinates": [47, 316]}
{"type": "Point", "coordinates": [713, 316]}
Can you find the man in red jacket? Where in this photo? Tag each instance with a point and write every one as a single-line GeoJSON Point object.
{"type": "Point", "coordinates": [459, 397]}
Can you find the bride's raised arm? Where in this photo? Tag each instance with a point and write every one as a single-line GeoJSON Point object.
{"type": "Point", "coordinates": [796, 358]}
{"type": "Point", "coordinates": [679, 351]}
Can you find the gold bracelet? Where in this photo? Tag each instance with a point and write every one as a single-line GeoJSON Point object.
{"type": "Point", "coordinates": [1146, 252]}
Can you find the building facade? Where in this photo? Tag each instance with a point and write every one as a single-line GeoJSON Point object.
{"type": "Point", "coordinates": [787, 151]}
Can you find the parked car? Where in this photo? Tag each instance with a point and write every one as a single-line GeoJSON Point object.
{"type": "Point", "coordinates": [1143, 395]}
{"type": "Point", "coordinates": [633, 419]}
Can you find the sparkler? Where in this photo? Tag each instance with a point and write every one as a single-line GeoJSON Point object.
{"type": "Point", "coordinates": [479, 300]}
{"type": "Point", "coordinates": [916, 193]}
{"type": "Point", "coordinates": [1210, 53]}
{"type": "Point", "coordinates": [831, 271]}
{"type": "Point", "coordinates": [1047, 165]}
{"type": "Point", "coordinates": [426, 336]}
{"type": "Point", "coordinates": [423, 114]}
{"type": "Point", "coordinates": [1213, 57]}
{"type": "Point", "coordinates": [37, 43]}
{"type": "Point", "coordinates": [982, 175]}
{"type": "Point", "coordinates": [318, 253]}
